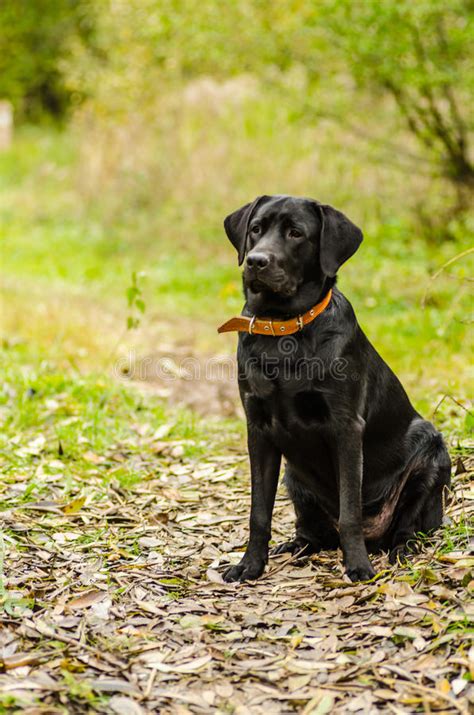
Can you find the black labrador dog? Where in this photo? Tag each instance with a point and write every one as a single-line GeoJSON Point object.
{"type": "Point", "coordinates": [364, 470]}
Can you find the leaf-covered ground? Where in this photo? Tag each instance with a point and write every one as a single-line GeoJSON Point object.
{"type": "Point", "coordinates": [118, 520]}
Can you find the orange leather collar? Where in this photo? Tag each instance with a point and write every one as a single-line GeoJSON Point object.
{"type": "Point", "coordinates": [267, 326]}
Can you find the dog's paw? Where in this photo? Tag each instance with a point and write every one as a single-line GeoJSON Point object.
{"type": "Point", "coordinates": [246, 570]}
{"type": "Point", "coordinates": [360, 572]}
{"type": "Point", "coordinates": [294, 547]}
{"type": "Point", "coordinates": [398, 554]}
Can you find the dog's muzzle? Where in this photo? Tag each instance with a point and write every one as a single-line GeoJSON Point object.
{"type": "Point", "coordinates": [269, 278]}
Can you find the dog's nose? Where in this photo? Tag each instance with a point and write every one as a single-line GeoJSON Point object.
{"type": "Point", "coordinates": [258, 260]}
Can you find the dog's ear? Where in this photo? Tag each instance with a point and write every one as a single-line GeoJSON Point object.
{"type": "Point", "coordinates": [340, 239]}
{"type": "Point", "coordinates": [237, 225]}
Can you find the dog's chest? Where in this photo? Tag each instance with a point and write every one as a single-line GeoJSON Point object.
{"type": "Point", "coordinates": [288, 398]}
{"type": "Point", "coordinates": [282, 397]}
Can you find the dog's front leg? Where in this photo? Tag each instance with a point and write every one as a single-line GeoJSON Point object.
{"type": "Point", "coordinates": [265, 462]}
{"type": "Point", "coordinates": [349, 455]}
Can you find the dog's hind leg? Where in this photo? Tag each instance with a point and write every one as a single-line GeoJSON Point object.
{"type": "Point", "coordinates": [420, 507]}
{"type": "Point", "coordinates": [314, 530]}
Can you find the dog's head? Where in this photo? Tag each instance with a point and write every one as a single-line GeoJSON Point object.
{"type": "Point", "coordinates": [290, 241]}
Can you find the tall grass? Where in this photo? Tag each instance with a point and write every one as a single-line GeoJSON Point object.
{"type": "Point", "coordinates": [202, 149]}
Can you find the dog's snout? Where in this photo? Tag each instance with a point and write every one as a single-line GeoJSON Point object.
{"type": "Point", "coordinates": [258, 260]}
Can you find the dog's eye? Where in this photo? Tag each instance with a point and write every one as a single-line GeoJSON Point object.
{"type": "Point", "coordinates": [255, 230]}
{"type": "Point", "coordinates": [294, 233]}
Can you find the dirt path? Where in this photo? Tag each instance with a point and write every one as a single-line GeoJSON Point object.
{"type": "Point", "coordinates": [206, 384]}
{"type": "Point", "coordinates": [134, 618]}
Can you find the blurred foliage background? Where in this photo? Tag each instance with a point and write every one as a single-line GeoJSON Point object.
{"type": "Point", "coordinates": [140, 124]}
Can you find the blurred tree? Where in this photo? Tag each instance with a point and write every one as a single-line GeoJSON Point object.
{"type": "Point", "coordinates": [34, 40]}
{"type": "Point", "coordinates": [421, 54]}
{"type": "Point", "coordinates": [317, 55]}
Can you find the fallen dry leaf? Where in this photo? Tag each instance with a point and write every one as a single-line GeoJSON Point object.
{"type": "Point", "coordinates": [86, 600]}
{"type": "Point", "coordinates": [157, 630]}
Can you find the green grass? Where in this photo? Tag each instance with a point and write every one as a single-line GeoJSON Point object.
{"type": "Point", "coordinates": [62, 425]}
{"type": "Point", "coordinates": [67, 261]}
{"type": "Point", "coordinates": [76, 259]}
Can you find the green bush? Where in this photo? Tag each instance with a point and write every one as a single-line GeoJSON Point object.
{"type": "Point", "coordinates": [35, 39]}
